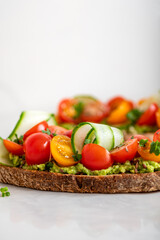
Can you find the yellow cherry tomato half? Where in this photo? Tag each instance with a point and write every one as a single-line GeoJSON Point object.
{"type": "Point", "coordinates": [61, 151]}
{"type": "Point", "coordinates": [144, 152]}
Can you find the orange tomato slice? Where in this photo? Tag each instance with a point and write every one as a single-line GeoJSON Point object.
{"type": "Point", "coordinates": [158, 117]}
{"type": "Point", "coordinates": [119, 114]}
{"type": "Point", "coordinates": [144, 152]}
{"type": "Point", "coordinates": [61, 151]}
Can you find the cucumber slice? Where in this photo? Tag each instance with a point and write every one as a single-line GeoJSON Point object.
{"type": "Point", "coordinates": [85, 99]}
{"type": "Point", "coordinates": [4, 155]}
{"type": "Point", "coordinates": [118, 136]}
{"type": "Point", "coordinates": [30, 118]}
{"type": "Point", "coordinates": [100, 134]}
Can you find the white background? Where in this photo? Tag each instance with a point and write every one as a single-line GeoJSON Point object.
{"type": "Point", "coordinates": [50, 49]}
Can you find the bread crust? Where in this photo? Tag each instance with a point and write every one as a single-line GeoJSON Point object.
{"type": "Point", "coordinates": [56, 182]}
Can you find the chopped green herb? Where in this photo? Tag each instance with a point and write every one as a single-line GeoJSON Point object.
{"type": "Point", "coordinates": [47, 131]}
{"type": "Point", "coordinates": [78, 108]}
{"type": "Point", "coordinates": [87, 141]}
{"type": "Point", "coordinates": [155, 148]}
{"type": "Point", "coordinates": [5, 192]}
{"type": "Point", "coordinates": [142, 142]}
{"type": "Point", "coordinates": [134, 115]}
{"type": "Point", "coordinates": [132, 137]}
{"type": "Point", "coordinates": [18, 140]}
{"type": "Point", "coordinates": [77, 157]}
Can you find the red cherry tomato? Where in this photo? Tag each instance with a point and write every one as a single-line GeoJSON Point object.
{"type": "Point", "coordinates": [37, 128]}
{"type": "Point", "coordinates": [139, 137]}
{"type": "Point", "coordinates": [94, 112]}
{"type": "Point", "coordinates": [13, 147]}
{"type": "Point", "coordinates": [66, 111]}
{"type": "Point", "coordinates": [114, 102]}
{"type": "Point", "coordinates": [126, 152]}
{"type": "Point", "coordinates": [95, 157]}
{"type": "Point", "coordinates": [57, 129]}
{"type": "Point", "coordinates": [68, 133]}
{"type": "Point", "coordinates": [149, 116]}
{"type": "Point", "coordinates": [156, 136]}
{"type": "Point", "coordinates": [37, 148]}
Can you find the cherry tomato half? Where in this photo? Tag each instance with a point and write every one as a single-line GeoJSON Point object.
{"type": "Point", "coordinates": [156, 136]}
{"type": "Point", "coordinates": [13, 147]}
{"type": "Point", "coordinates": [118, 115]}
{"type": "Point", "coordinates": [94, 112]}
{"type": "Point", "coordinates": [62, 151]}
{"type": "Point", "coordinates": [139, 137]}
{"type": "Point", "coordinates": [114, 102]}
{"type": "Point", "coordinates": [125, 152]}
{"type": "Point", "coordinates": [95, 157]}
{"type": "Point", "coordinates": [35, 129]}
{"type": "Point", "coordinates": [149, 116]}
{"type": "Point", "coordinates": [66, 111]}
{"type": "Point", "coordinates": [37, 148]}
{"type": "Point", "coordinates": [144, 152]}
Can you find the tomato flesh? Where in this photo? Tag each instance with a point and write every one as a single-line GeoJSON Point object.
{"type": "Point", "coordinates": [13, 147]}
{"type": "Point", "coordinates": [125, 152]}
{"type": "Point", "coordinates": [149, 116]}
{"type": "Point", "coordinates": [37, 128]}
{"type": "Point", "coordinates": [61, 151]}
{"type": "Point", "coordinates": [95, 157]}
{"type": "Point", "coordinates": [156, 136]}
{"type": "Point", "coordinates": [37, 148]}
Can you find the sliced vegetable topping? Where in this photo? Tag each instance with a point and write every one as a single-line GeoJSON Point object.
{"type": "Point", "coordinates": [62, 151]}
{"type": "Point", "coordinates": [100, 134]}
{"type": "Point", "coordinates": [150, 151]}
{"type": "Point", "coordinates": [124, 152]}
{"type": "Point", "coordinates": [156, 136]}
{"type": "Point", "coordinates": [13, 147]}
{"type": "Point", "coordinates": [149, 116]}
{"type": "Point", "coordinates": [95, 157]}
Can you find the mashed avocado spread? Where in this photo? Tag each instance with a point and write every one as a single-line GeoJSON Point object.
{"type": "Point", "coordinates": [138, 165]}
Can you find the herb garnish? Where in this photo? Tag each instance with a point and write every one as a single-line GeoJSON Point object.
{"type": "Point", "coordinates": [18, 140]}
{"type": "Point", "coordinates": [5, 192]}
{"type": "Point", "coordinates": [77, 157]}
{"type": "Point", "coordinates": [78, 108]}
{"type": "Point", "coordinates": [87, 141]}
{"type": "Point", "coordinates": [49, 133]}
{"type": "Point", "coordinates": [142, 142]}
{"type": "Point", "coordinates": [134, 115]}
{"type": "Point", "coordinates": [155, 148]}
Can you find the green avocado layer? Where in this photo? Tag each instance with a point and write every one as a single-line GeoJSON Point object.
{"type": "Point", "coordinates": [138, 165]}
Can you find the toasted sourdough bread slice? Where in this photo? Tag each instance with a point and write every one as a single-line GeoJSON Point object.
{"type": "Point", "coordinates": [117, 183]}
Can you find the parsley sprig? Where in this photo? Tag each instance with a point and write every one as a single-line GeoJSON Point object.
{"type": "Point", "coordinates": [49, 132]}
{"type": "Point", "coordinates": [155, 148]}
{"type": "Point", "coordinates": [18, 140]}
{"type": "Point", "coordinates": [134, 115]}
{"type": "Point", "coordinates": [5, 192]}
{"type": "Point", "coordinates": [142, 142]}
{"type": "Point", "coordinates": [77, 157]}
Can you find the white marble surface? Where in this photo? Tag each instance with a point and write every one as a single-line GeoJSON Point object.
{"type": "Point", "coordinates": [31, 214]}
